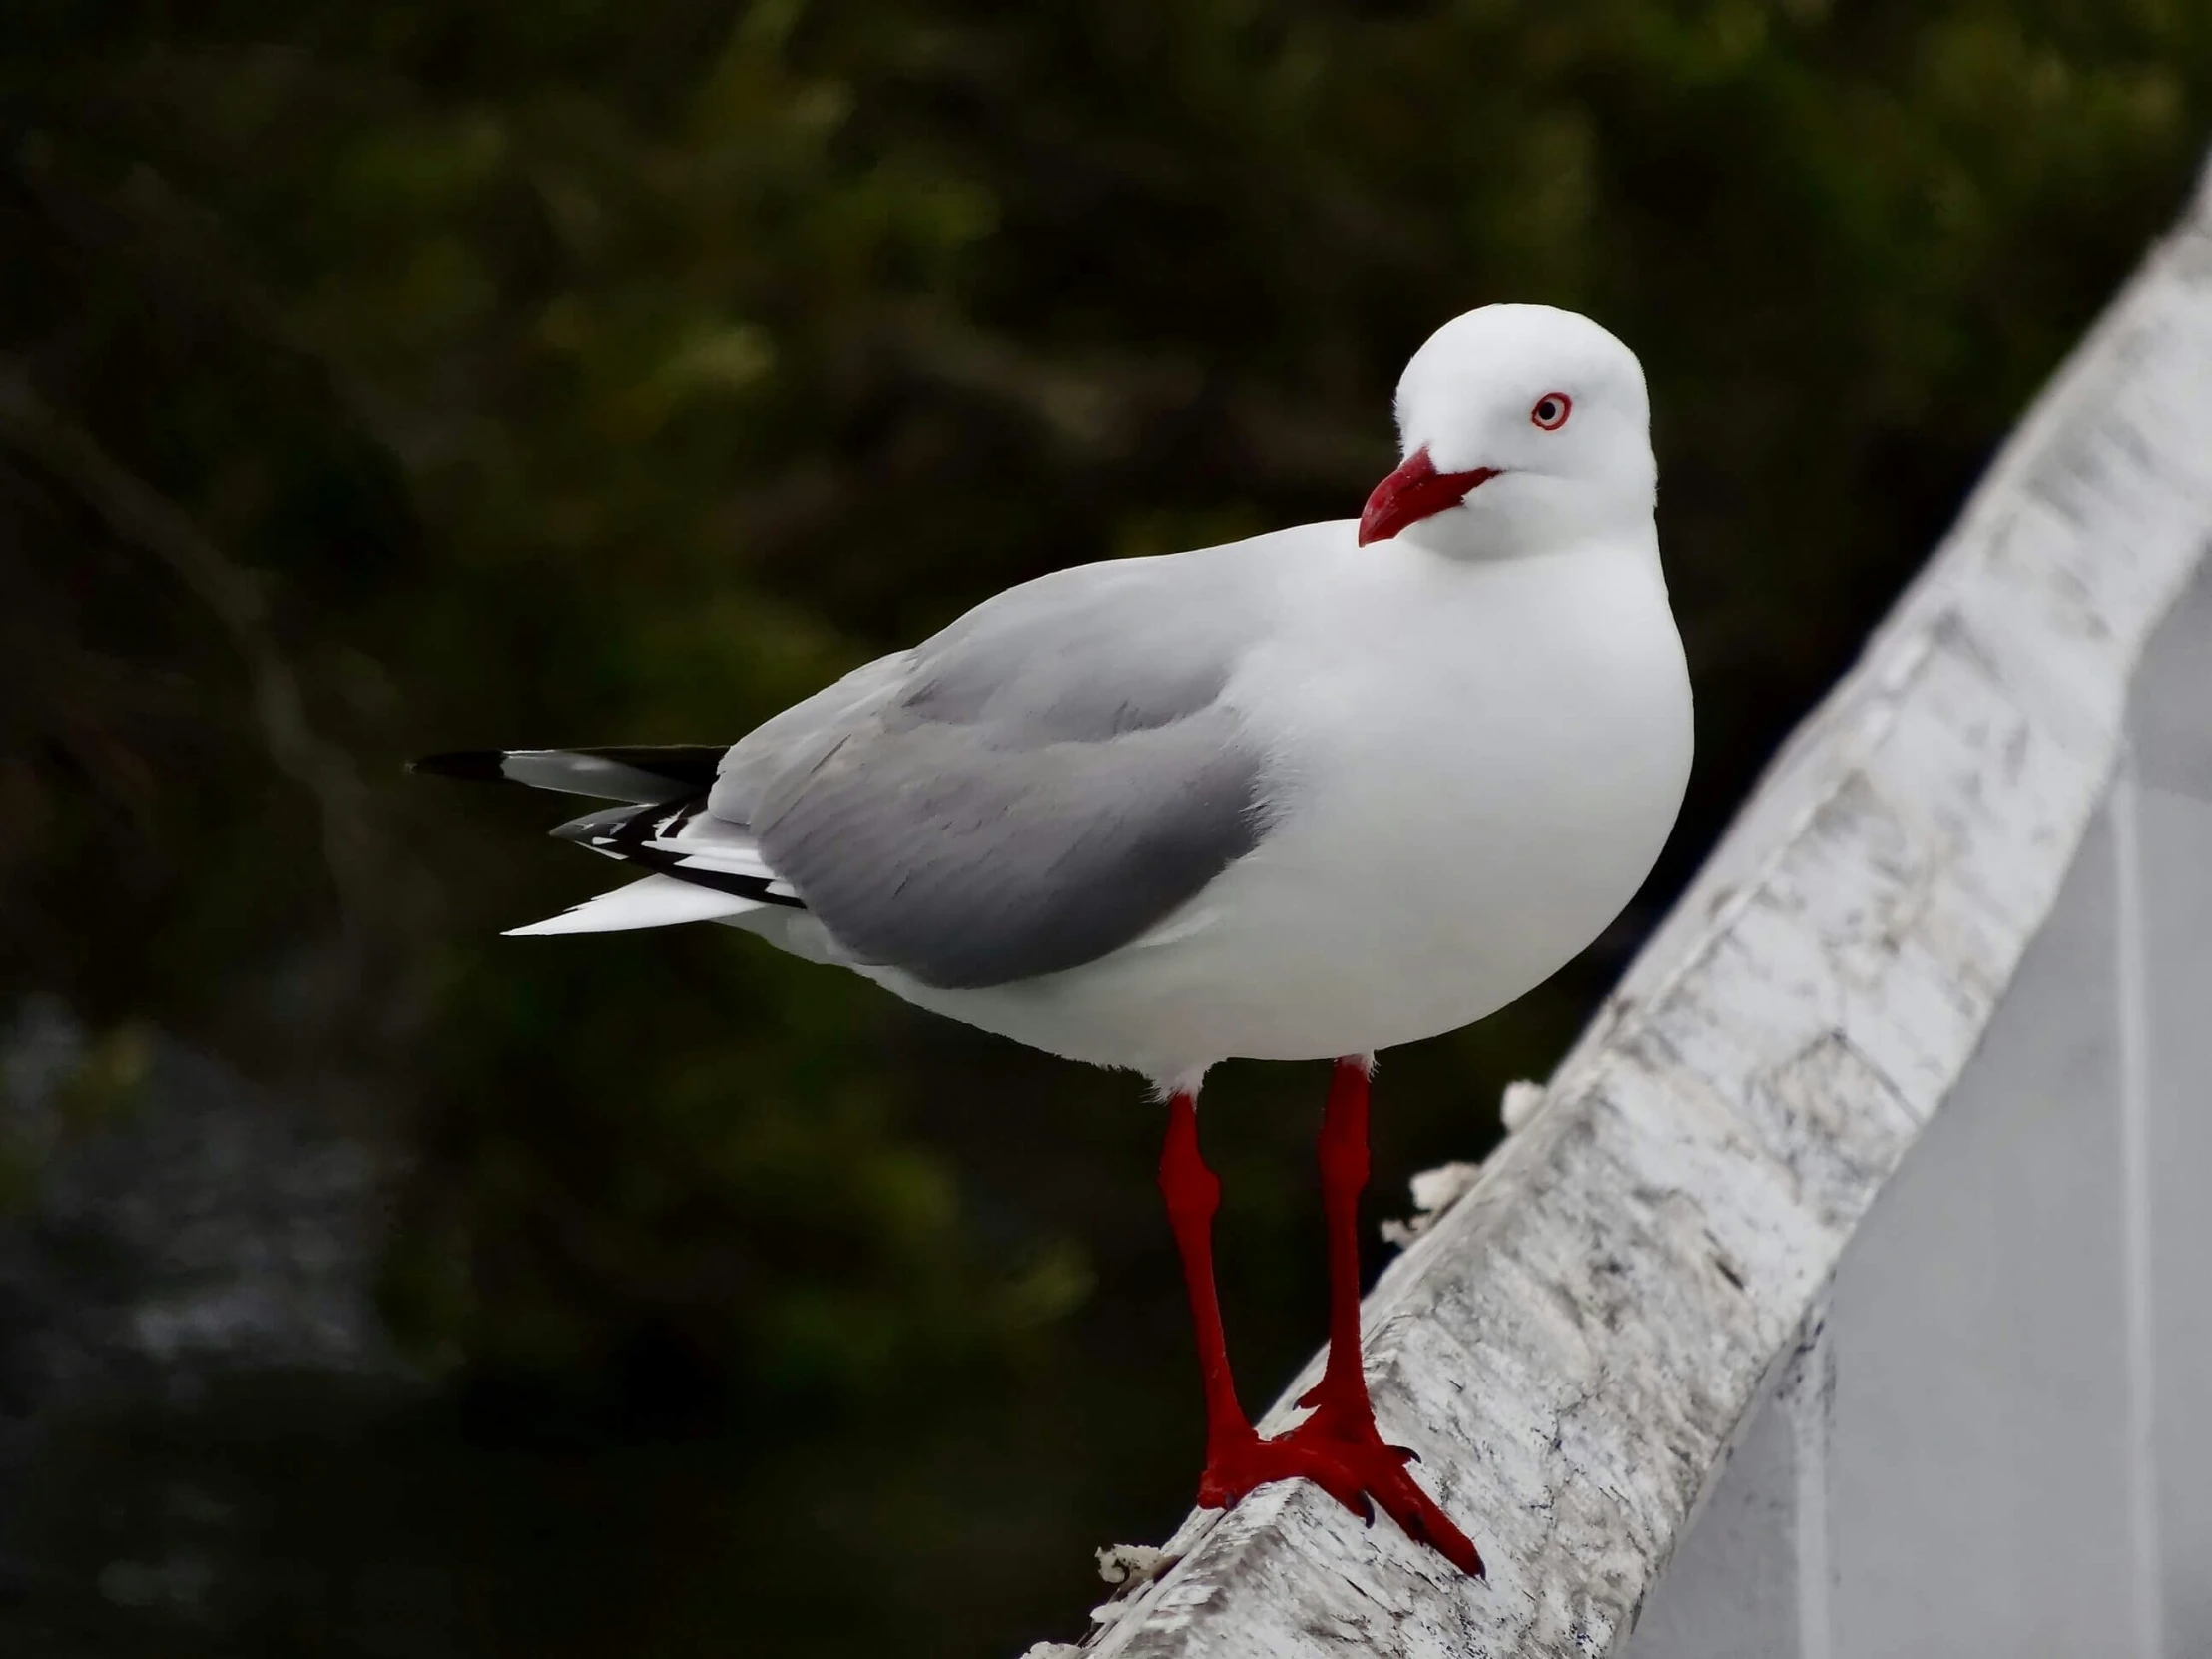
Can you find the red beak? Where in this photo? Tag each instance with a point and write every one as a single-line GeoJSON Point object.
{"type": "Point", "coordinates": [1416, 490]}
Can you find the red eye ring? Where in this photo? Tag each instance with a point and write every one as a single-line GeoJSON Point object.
{"type": "Point", "coordinates": [1552, 411]}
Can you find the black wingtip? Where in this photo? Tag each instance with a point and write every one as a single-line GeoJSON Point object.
{"type": "Point", "coordinates": [479, 766]}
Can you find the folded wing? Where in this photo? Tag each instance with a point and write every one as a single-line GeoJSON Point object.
{"type": "Point", "coordinates": [1033, 787]}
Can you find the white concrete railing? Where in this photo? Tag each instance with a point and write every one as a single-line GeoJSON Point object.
{"type": "Point", "coordinates": [1667, 1359]}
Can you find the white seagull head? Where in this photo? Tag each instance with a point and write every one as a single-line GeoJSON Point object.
{"type": "Point", "coordinates": [1524, 428]}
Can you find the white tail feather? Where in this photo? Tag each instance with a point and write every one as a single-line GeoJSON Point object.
{"type": "Point", "coordinates": [656, 902]}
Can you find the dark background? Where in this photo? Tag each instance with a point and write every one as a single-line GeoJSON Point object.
{"type": "Point", "coordinates": [380, 377]}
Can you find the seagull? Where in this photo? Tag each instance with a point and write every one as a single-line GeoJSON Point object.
{"type": "Point", "coordinates": [1307, 796]}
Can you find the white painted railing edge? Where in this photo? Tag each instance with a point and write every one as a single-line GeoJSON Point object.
{"type": "Point", "coordinates": [1573, 1344]}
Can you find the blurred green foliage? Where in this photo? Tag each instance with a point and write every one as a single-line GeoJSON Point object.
{"type": "Point", "coordinates": [376, 378]}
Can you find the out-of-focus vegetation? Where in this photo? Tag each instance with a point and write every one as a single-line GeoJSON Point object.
{"type": "Point", "coordinates": [376, 378]}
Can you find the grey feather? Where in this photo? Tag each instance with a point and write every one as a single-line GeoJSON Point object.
{"type": "Point", "coordinates": [1030, 790]}
{"type": "Point", "coordinates": [632, 771]}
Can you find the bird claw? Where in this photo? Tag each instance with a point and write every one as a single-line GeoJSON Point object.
{"type": "Point", "coordinates": [1349, 1459]}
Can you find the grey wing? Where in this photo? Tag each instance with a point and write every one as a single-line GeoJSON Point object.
{"type": "Point", "coordinates": [1032, 788]}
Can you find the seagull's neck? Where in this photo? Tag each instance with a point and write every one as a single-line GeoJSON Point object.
{"type": "Point", "coordinates": [1524, 515]}
{"type": "Point", "coordinates": [1516, 543]}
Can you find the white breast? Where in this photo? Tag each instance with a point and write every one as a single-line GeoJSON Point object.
{"type": "Point", "coordinates": [1475, 766]}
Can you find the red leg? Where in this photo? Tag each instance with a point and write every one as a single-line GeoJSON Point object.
{"type": "Point", "coordinates": [1193, 1194]}
{"type": "Point", "coordinates": [1342, 1393]}
{"type": "Point", "coordinates": [1343, 1424]}
{"type": "Point", "coordinates": [1237, 1459]}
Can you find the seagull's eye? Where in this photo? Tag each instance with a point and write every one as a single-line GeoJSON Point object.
{"type": "Point", "coordinates": [1552, 411]}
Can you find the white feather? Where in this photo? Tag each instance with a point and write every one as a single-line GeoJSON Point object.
{"type": "Point", "coordinates": [656, 902]}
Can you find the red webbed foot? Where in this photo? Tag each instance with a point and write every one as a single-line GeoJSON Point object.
{"type": "Point", "coordinates": [1351, 1464]}
{"type": "Point", "coordinates": [1350, 1440]}
{"type": "Point", "coordinates": [1238, 1468]}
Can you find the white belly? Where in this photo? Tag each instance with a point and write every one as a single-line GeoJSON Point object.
{"type": "Point", "coordinates": [1477, 768]}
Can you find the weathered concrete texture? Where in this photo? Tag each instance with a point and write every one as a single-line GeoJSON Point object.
{"type": "Point", "coordinates": [1574, 1344]}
